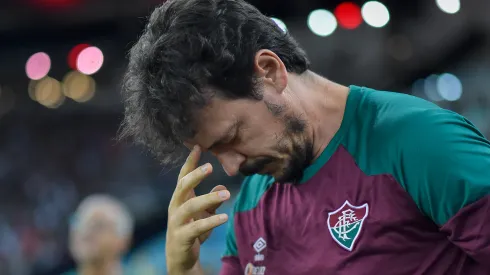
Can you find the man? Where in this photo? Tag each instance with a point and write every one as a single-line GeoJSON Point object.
{"type": "Point", "coordinates": [100, 235]}
{"type": "Point", "coordinates": [340, 180]}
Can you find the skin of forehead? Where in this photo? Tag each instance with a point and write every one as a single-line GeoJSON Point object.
{"type": "Point", "coordinates": [108, 209]}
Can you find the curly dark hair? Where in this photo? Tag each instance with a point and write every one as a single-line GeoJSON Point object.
{"type": "Point", "coordinates": [190, 51]}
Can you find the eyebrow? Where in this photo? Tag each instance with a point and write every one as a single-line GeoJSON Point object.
{"type": "Point", "coordinates": [225, 137]}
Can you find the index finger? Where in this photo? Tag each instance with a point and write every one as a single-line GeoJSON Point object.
{"type": "Point", "coordinates": [191, 162]}
{"type": "Point", "coordinates": [184, 189]}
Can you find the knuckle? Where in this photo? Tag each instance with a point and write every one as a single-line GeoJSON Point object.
{"type": "Point", "coordinates": [196, 174]}
{"type": "Point", "coordinates": [181, 183]}
{"type": "Point", "coordinates": [171, 220]}
{"type": "Point", "coordinates": [187, 180]}
{"type": "Point", "coordinates": [197, 226]}
{"type": "Point", "coordinates": [190, 206]}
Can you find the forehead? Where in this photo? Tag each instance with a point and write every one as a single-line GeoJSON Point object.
{"type": "Point", "coordinates": [98, 212]}
{"type": "Point", "coordinates": [218, 116]}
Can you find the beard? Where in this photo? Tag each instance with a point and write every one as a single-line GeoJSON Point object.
{"type": "Point", "coordinates": [293, 167]}
{"type": "Point", "coordinates": [295, 154]}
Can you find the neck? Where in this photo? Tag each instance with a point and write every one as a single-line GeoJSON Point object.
{"type": "Point", "coordinates": [323, 104]}
{"type": "Point", "coordinates": [101, 268]}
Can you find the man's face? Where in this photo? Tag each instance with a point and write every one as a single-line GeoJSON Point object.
{"type": "Point", "coordinates": [95, 237]}
{"type": "Point", "coordinates": [255, 137]}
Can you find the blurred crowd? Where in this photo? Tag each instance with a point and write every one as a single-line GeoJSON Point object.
{"type": "Point", "coordinates": [47, 167]}
{"type": "Point", "coordinates": [52, 159]}
{"type": "Point", "coordinates": [48, 164]}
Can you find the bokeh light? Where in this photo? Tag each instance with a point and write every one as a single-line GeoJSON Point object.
{"type": "Point", "coordinates": [418, 88]}
{"type": "Point", "coordinates": [48, 92]}
{"type": "Point", "coordinates": [74, 53]}
{"type": "Point", "coordinates": [449, 87]}
{"type": "Point", "coordinates": [348, 15]}
{"type": "Point", "coordinates": [322, 22]}
{"type": "Point", "coordinates": [375, 14]}
{"type": "Point", "coordinates": [38, 65]}
{"type": "Point", "coordinates": [90, 60]}
{"type": "Point", "coordinates": [280, 24]}
{"type": "Point", "coordinates": [78, 86]}
{"type": "Point", "coordinates": [430, 88]}
{"type": "Point", "coordinates": [449, 6]}
{"type": "Point", "coordinates": [31, 89]}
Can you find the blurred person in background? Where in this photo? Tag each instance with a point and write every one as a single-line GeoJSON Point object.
{"type": "Point", "coordinates": [100, 235]}
{"type": "Point", "coordinates": [141, 264]}
{"type": "Point", "coordinates": [340, 180]}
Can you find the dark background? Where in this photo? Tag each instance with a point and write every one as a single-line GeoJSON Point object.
{"type": "Point", "coordinates": [50, 158]}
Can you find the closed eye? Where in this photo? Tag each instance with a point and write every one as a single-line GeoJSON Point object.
{"type": "Point", "coordinates": [230, 138]}
{"type": "Point", "coordinates": [222, 142]}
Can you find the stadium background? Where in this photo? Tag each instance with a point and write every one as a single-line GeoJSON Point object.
{"type": "Point", "coordinates": [57, 125]}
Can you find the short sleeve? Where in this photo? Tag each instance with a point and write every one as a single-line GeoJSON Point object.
{"type": "Point", "coordinates": [443, 163]}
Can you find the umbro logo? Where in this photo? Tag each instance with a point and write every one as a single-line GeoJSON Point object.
{"type": "Point", "coordinates": [250, 269]}
{"type": "Point", "coordinates": [259, 246]}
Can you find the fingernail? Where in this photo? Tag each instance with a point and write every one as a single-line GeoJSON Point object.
{"type": "Point", "coordinates": [223, 217]}
{"type": "Point", "coordinates": [204, 168]}
{"type": "Point", "coordinates": [223, 194]}
{"type": "Point", "coordinates": [196, 148]}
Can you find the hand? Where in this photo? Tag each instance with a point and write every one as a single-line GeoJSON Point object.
{"type": "Point", "coordinates": [191, 218]}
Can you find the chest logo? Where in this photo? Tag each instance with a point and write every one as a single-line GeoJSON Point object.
{"type": "Point", "coordinates": [259, 245]}
{"type": "Point", "coordinates": [345, 224]}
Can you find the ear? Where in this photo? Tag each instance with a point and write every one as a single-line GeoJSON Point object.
{"type": "Point", "coordinates": [270, 68]}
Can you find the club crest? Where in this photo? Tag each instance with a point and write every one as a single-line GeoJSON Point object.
{"type": "Point", "coordinates": [346, 222]}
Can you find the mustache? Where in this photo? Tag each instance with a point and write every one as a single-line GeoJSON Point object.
{"type": "Point", "coordinates": [254, 167]}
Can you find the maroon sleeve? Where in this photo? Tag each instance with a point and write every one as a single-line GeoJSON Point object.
{"type": "Point", "coordinates": [470, 230]}
{"type": "Point", "coordinates": [231, 266]}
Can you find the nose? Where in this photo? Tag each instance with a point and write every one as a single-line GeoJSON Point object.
{"type": "Point", "coordinates": [231, 161]}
